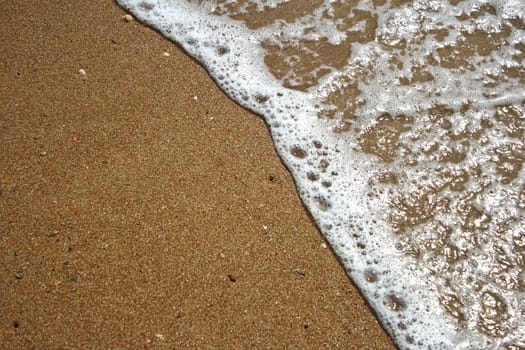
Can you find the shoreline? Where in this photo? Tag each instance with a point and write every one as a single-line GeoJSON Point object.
{"type": "Point", "coordinates": [144, 208]}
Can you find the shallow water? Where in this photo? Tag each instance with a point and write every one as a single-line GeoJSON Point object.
{"type": "Point", "coordinates": [402, 123]}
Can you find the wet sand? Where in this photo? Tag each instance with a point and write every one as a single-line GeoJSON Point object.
{"type": "Point", "coordinates": [141, 208]}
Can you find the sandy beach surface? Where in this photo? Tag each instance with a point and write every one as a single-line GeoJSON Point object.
{"type": "Point", "coordinates": [141, 208]}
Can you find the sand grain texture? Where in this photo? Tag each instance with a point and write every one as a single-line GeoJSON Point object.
{"type": "Point", "coordinates": [141, 208]}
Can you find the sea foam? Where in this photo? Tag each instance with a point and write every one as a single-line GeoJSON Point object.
{"type": "Point", "coordinates": [402, 124]}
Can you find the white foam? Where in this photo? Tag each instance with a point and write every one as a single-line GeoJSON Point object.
{"type": "Point", "coordinates": [333, 175]}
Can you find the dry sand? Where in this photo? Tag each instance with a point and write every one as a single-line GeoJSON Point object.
{"type": "Point", "coordinates": [141, 208]}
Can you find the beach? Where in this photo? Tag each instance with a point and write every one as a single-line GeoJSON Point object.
{"type": "Point", "coordinates": [141, 208]}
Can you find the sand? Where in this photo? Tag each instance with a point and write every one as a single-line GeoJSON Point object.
{"type": "Point", "coordinates": [141, 208]}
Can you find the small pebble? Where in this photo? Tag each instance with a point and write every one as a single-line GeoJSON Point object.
{"type": "Point", "coordinates": [222, 255]}
{"type": "Point", "coordinates": [75, 278]}
{"type": "Point", "coordinates": [128, 18]}
{"type": "Point", "coordinates": [323, 245]}
{"type": "Point", "coordinates": [232, 278]}
{"type": "Point", "coordinates": [159, 336]}
{"type": "Point", "coordinates": [166, 54]}
{"type": "Point", "coordinates": [81, 72]}
{"type": "Point", "coordinates": [300, 273]}
{"type": "Point", "coordinates": [43, 153]}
